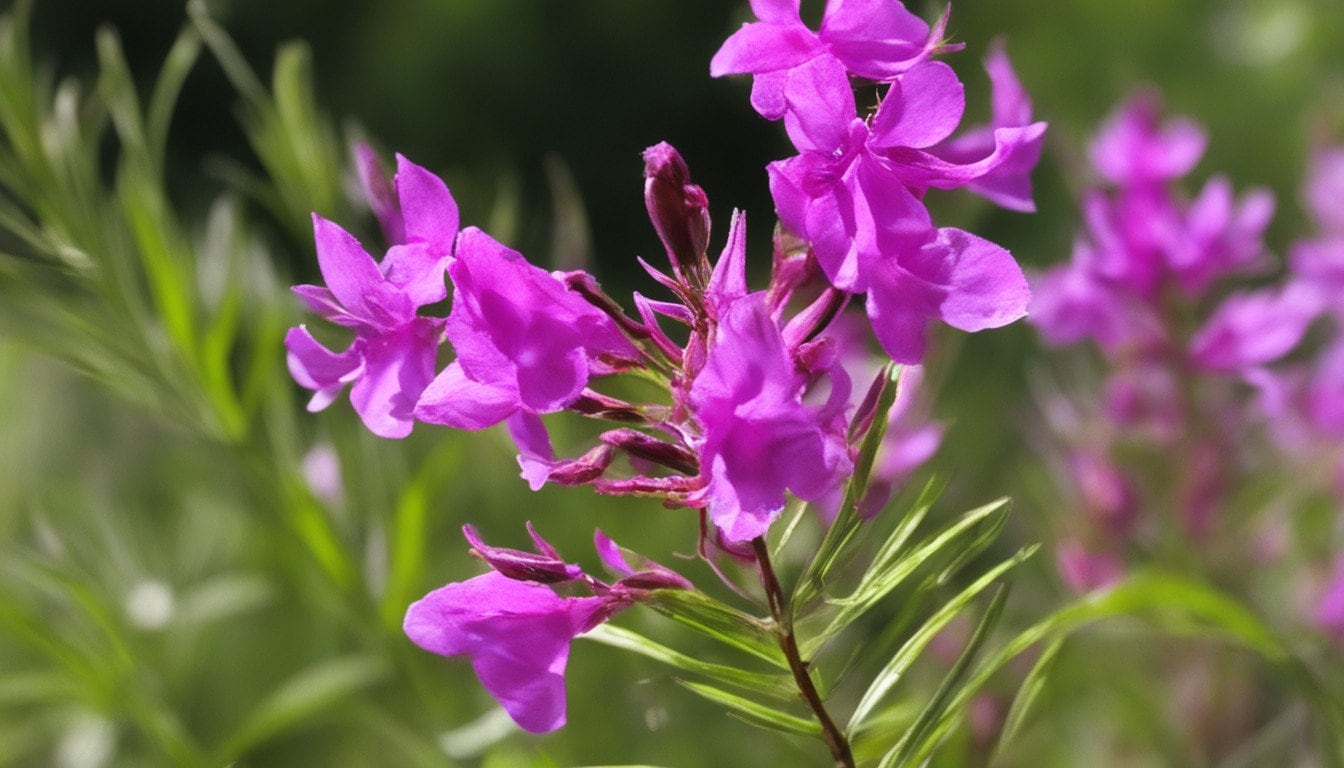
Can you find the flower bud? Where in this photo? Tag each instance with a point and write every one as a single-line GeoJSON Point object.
{"type": "Point", "coordinates": [679, 210]}
{"type": "Point", "coordinates": [584, 469]}
{"type": "Point", "coordinates": [643, 446]}
{"type": "Point", "coordinates": [544, 567]}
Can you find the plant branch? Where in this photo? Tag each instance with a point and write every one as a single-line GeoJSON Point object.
{"type": "Point", "coordinates": [779, 609]}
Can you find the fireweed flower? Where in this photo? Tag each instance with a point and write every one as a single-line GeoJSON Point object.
{"type": "Point", "coordinates": [517, 631]}
{"type": "Point", "coordinates": [874, 39]}
{"type": "Point", "coordinates": [525, 345]}
{"type": "Point", "coordinates": [854, 192]}
{"type": "Point", "coordinates": [759, 437]}
{"type": "Point", "coordinates": [391, 359]}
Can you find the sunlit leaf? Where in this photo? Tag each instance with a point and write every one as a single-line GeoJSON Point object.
{"type": "Point", "coordinates": [778, 686]}
{"type": "Point", "coordinates": [755, 712]}
{"type": "Point", "coordinates": [721, 622]}
{"type": "Point", "coordinates": [895, 669]}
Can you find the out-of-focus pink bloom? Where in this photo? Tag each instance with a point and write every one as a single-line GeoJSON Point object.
{"type": "Point", "coordinates": [1330, 608]}
{"type": "Point", "coordinates": [1108, 496]}
{"type": "Point", "coordinates": [1324, 193]}
{"type": "Point", "coordinates": [1134, 148]}
{"type": "Point", "coordinates": [1251, 329]}
{"type": "Point", "coordinates": [1085, 570]}
{"type": "Point", "coordinates": [1221, 236]}
{"type": "Point", "coordinates": [322, 473]}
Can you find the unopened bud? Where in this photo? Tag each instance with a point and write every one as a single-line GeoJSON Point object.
{"type": "Point", "coordinates": [380, 193]}
{"type": "Point", "coordinates": [584, 469]}
{"type": "Point", "coordinates": [643, 446]}
{"type": "Point", "coordinates": [679, 210]}
{"type": "Point", "coordinates": [545, 567]}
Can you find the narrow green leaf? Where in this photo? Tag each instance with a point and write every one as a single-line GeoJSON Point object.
{"type": "Point", "coordinates": [299, 698]}
{"type": "Point", "coordinates": [176, 66]}
{"type": "Point", "coordinates": [916, 744]}
{"type": "Point", "coordinates": [895, 669]}
{"type": "Point", "coordinates": [233, 61]}
{"type": "Point", "coordinates": [1171, 603]}
{"type": "Point", "coordinates": [721, 622]}
{"type": "Point", "coordinates": [777, 686]}
{"type": "Point", "coordinates": [756, 713]}
{"type": "Point", "coordinates": [1027, 693]}
{"type": "Point", "coordinates": [406, 548]}
{"type": "Point", "coordinates": [28, 687]}
{"type": "Point", "coordinates": [313, 527]}
{"type": "Point", "coordinates": [847, 520]}
{"type": "Point", "coordinates": [893, 567]}
{"type": "Point", "coordinates": [303, 137]}
{"type": "Point", "coordinates": [118, 90]}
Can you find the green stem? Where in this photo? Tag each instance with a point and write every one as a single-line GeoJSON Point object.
{"type": "Point", "coordinates": [779, 609]}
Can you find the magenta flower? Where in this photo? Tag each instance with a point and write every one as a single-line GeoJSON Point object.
{"type": "Point", "coordinates": [966, 282]}
{"type": "Point", "coordinates": [1251, 329]}
{"type": "Point", "coordinates": [874, 39]}
{"type": "Point", "coordinates": [517, 631]}
{"type": "Point", "coordinates": [1009, 183]}
{"type": "Point", "coordinates": [853, 194]}
{"type": "Point", "coordinates": [391, 360]}
{"type": "Point", "coordinates": [1085, 570]}
{"type": "Point", "coordinates": [526, 345]}
{"type": "Point", "coordinates": [1134, 149]}
{"type": "Point", "coordinates": [517, 634]}
{"type": "Point", "coordinates": [1330, 607]}
{"type": "Point", "coordinates": [759, 439]}
{"type": "Point", "coordinates": [1324, 193]}
{"type": "Point", "coordinates": [1319, 261]}
{"type": "Point", "coordinates": [1072, 302]}
{"type": "Point", "coordinates": [1221, 236]}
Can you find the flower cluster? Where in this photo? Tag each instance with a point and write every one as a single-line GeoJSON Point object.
{"type": "Point", "coordinates": [758, 397]}
{"type": "Point", "coordinates": [855, 189]}
{"type": "Point", "coordinates": [1199, 366]}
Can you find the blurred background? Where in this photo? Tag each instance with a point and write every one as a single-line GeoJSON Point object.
{"type": "Point", "coordinates": [161, 605]}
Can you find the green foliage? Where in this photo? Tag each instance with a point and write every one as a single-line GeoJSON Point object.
{"type": "Point", "coordinates": [169, 581]}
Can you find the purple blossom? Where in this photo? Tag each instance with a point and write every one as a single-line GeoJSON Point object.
{"type": "Point", "coordinates": [526, 345]}
{"type": "Point", "coordinates": [1251, 329]}
{"type": "Point", "coordinates": [1134, 149]}
{"type": "Point", "coordinates": [966, 282]}
{"type": "Point", "coordinates": [1330, 607]}
{"type": "Point", "coordinates": [1324, 193]}
{"type": "Point", "coordinates": [758, 437]}
{"type": "Point", "coordinates": [853, 194]}
{"type": "Point", "coordinates": [1085, 570]}
{"type": "Point", "coordinates": [1221, 236]}
{"type": "Point", "coordinates": [517, 631]}
{"type": "Point", "coordinates": [1073, 302]}
{"type": "Point", "coordinates": [874, 39]}
{"type": "Point", "coordinates": [1319, 261]}
{"type": "Point", "coordinates": [517, 634]}
{"type": "Point", "coordinates": [391, 360]}
{"type": "Point", "coordinates": [1009, 183]}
